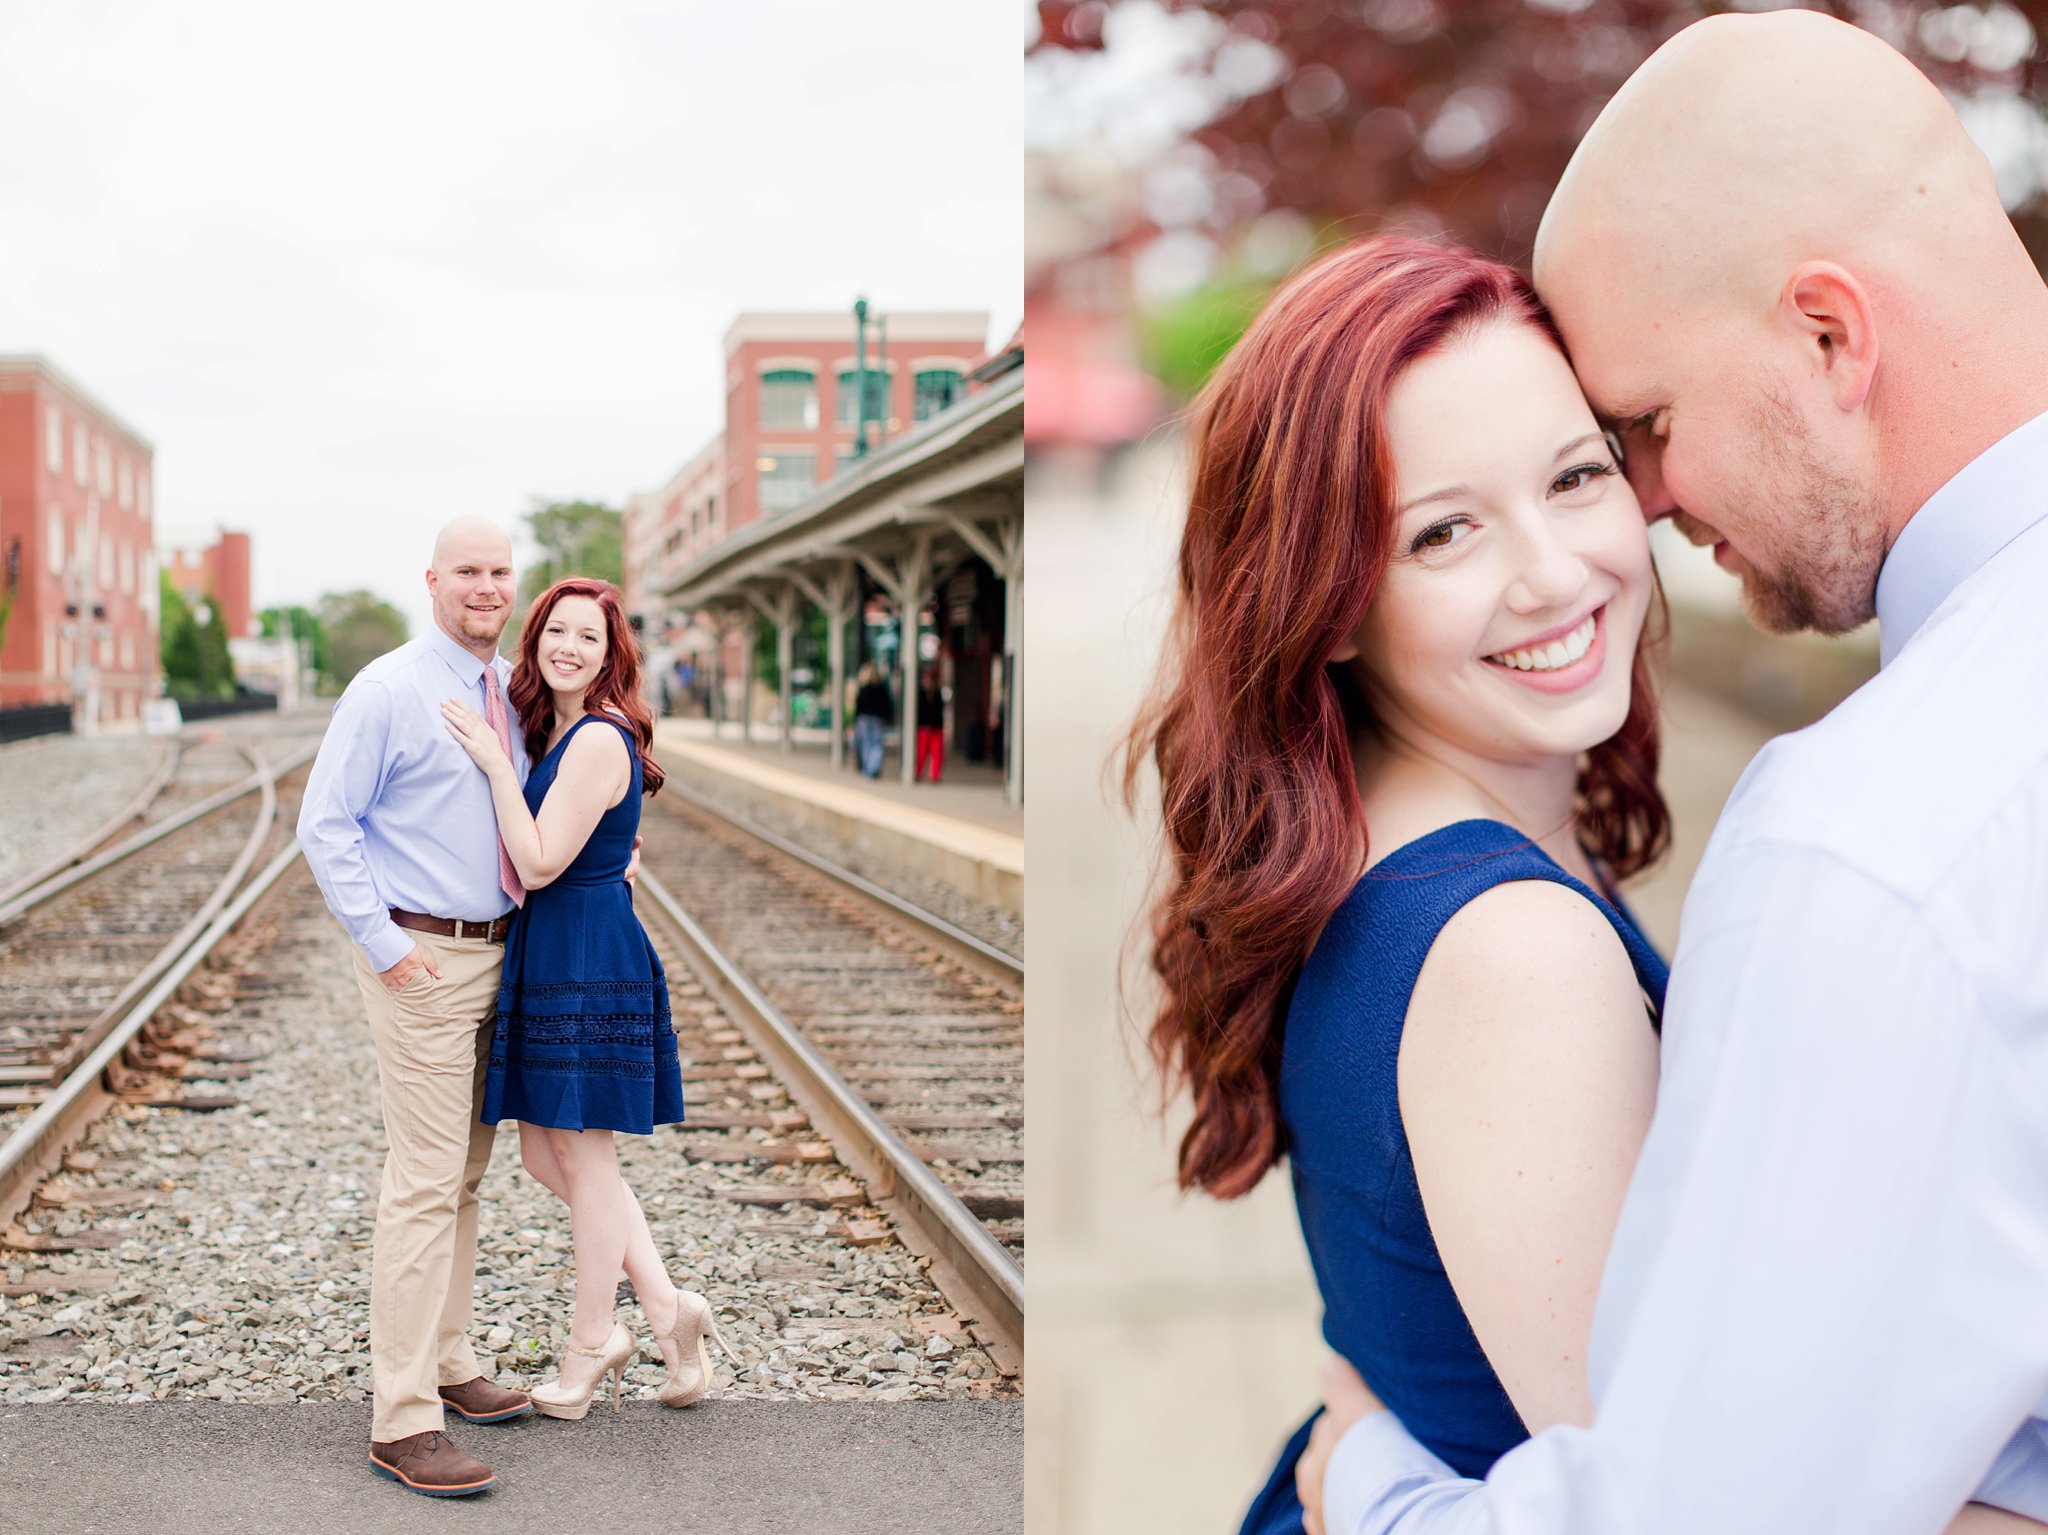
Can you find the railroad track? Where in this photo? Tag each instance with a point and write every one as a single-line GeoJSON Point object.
{"type": "Point", "coordinates": [130, 812]}
{"type": "Point", "coordinates": [902, 1109]}
{"type": "Point", "coordinates": [91, 953]}
{"type": "Point", "coordinates": [900, 1036]}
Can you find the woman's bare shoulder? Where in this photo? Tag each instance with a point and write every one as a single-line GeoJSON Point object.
{"type": "Point", "coordinates": [1533, 952]}
{"type": "Point", "coordinates": [596, 750]}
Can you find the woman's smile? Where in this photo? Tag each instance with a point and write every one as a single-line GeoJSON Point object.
{"type": "Point", "coordinates": [1560, 660]}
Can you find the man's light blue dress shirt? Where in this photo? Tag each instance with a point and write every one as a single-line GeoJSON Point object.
{"type": "Point", "coordinates": [396, 814]}
{"type": "Point", "coordinates": [1826, 1307]}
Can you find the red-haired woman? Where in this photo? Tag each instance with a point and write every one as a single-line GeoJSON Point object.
{"type": "Point", "coordinates": [584, 1046]}
{"type": "Point", "coordinates": [1406, 745]}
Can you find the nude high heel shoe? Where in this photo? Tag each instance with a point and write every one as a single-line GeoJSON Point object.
{"type": "Point", "coordinates": [683, 1351]}
{"type": "Point", "coordinates": [555, 1400]}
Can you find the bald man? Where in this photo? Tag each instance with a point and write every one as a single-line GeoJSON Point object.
{"type": "Point", "coordinates": [1783, 272]}
{"type": "Point", "coordinates": [398, 828]}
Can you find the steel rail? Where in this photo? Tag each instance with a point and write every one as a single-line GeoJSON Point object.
{"type": "Point", "coordinates": [980, 1278]}
{"type": "Point", "coordinates": [37, 1145]}
{"type": "Point", "coordinates": [82, 848]}
{"type": "Point", "coordinates": [956, 943]}
{"type": "Point", "coordinates": [265, 774]}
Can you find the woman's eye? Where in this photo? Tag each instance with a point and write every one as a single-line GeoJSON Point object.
{"type": "Point", "coordinates": [1580, 477]}
{"type": "Point", "coordinates": [1439, 535]}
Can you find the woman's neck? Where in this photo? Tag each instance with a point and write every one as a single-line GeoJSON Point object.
{"type": "Point", "coordinates": [1411, 786]}
{"type": "Point", "coordinates": [569, 709]}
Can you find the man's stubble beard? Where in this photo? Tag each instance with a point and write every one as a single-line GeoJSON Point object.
{"type": "Point", "coordinates": [1828, 547]}
{"type": "Point", "coordinates": [470, 626]}
{"type": "Point", "coordinates": [486, 629]}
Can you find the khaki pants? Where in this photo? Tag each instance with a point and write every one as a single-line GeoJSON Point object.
{"type": "Point", "coordinates": [433, 1044]}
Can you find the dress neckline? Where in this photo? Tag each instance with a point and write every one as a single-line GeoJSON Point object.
{"type": "Point", "coordinates": [1603, 887]}
{"type": "Point", "coordinates": [577, 724]}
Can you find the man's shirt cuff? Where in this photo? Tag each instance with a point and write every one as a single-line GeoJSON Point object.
{"type": "Point", "coordinates": [388, 947]}
{"type": "Point", "coordinates": [1376, 1456]}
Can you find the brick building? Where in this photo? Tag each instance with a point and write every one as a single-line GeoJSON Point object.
{"type": "Point", "coordinates": [791, 402]}
{"type": "Point", "coordinates": [80, 573]}
{"type": "Point", "coordinates": [791, 410]}
{"type": "Point", "coordinates": [218, 575]}
{"type": "Point", "coordinates": [791, 405]}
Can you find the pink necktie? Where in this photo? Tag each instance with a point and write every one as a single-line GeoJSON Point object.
{"type": "Point", "coordinates": [495, 715]}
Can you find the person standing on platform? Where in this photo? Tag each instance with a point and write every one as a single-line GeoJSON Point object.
{"type": "Point", "coordinates": [871, 711]}
{"type": "Point", "coordinates": [399, 831]}
{"type": "Point", "coordinates": [931, 725]}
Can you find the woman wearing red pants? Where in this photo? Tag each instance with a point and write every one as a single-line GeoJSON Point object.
{"type": "Point", "coordinates": [931, 726]}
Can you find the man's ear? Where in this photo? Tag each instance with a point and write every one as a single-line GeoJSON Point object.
{"type": "Point", "coordinates": [1832, 311]}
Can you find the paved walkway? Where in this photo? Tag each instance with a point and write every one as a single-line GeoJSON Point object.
{"type": "Point", "coordinates": [970, 791]}
{"type": "Point", "coordinates": [736, 1467]}
{"type": "Point", "coordinates": [961, 831]}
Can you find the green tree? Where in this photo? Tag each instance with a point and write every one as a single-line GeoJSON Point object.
{"type": "Point", "coordinates": [359, 627]}
{"type": "Point", "coordinates": [576, 538]}
{"type": "Point", "coordinates": [306, 625]}
{"type": "Point", "coordinates": [194, 655]}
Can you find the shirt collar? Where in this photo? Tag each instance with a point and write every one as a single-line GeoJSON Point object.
{"type": "Point", "coordinates": [461, 662]}
{"type": "Point", "coordinates": [1991, 501]}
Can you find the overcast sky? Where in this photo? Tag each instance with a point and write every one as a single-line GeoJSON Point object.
{"type": "Point", "coordinates": [356, 269]}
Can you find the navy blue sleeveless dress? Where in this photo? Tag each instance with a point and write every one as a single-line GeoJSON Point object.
{"type": "Point", "coordinates": [1388, 1306]}
{"type": "Point", "coordinates": [584, 1040]}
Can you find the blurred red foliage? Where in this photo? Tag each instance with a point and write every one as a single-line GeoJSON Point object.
{"type": "Point", "coordinates": [1459, 115]}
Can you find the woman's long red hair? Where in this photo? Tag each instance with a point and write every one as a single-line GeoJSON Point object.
{"type": "Point", "coordinates": [618, 681]}
{"type": "Point", "coordinates": [1289, 530]}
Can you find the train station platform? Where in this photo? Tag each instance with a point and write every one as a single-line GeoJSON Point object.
{"type": "Point", "coordinates": [183, 1468]}
{"type": "Point", "coordinates": [960, 831]}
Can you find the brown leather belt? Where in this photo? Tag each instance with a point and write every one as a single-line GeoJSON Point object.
{"type": "Point", "coordinates": [453, 927]}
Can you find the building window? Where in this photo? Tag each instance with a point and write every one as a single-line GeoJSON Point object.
{"type": "Point", "coordinates": [142, 492]}
{"type": "Point", "coordinates": [53, 541]}
{"type": "Point", "coordinates": [106, 564]}
{"type": "Point", "coordinates": [848, 412]}
{"type": "Point", "coordinates": [78, 447]}
{"type": "Point", "coordinates": [785, 479]}
{"type": "Point", "coordinates": [126, 475]}
{"type": "Point", "coordinates": [103, 464]}
{"type": "Point", "coordinates": [53, 439]}
{"type": "Point", "coordinates": [127, 651]}
{"type": "Point", "coordinates": [789, 398]}
{"type": "Point", "coordinates": [933, 390]}
{"type": "Point", "coordinates": [127, 570]}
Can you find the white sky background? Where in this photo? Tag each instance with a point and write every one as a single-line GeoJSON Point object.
{"type": "Point", "coordinates": [354, 270]}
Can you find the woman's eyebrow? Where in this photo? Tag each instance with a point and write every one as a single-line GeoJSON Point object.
{"type": "Point", "coordinates": [1448, 493]}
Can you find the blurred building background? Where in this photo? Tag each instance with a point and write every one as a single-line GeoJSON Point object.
{"type": "Point", "coordinates": [830, 522]}
{"type": "Point", "coordinates": [1182, 157]}
{"type": "Point", "coordinates": [78, 607]}
{"type": "Point", "coordinates": [217, 573]}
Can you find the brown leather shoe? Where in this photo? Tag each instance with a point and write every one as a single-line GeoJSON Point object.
{"type": "Point", "coordinates": [429, 1463]}
{"type": "Point", "coordinates": [483, 1401]}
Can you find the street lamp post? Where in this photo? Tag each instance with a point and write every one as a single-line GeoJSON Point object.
{"type": "Point", "coordinates": [202, 615]}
